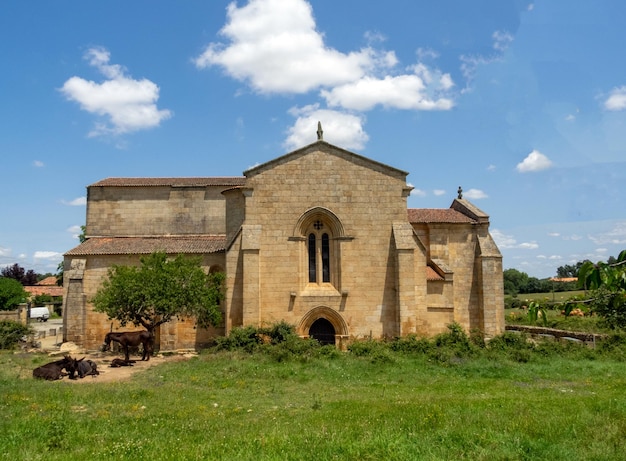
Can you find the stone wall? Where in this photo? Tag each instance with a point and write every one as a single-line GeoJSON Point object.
{"type": "Point", "coordinates": [151, 211]}
{"type": "Point", "coordinates": [84, 326]}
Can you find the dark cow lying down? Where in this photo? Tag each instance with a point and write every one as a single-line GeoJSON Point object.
{"type": "Point", "coordinates": [54, 370]}
{"type": "Point", "coordinates": [85, 368]}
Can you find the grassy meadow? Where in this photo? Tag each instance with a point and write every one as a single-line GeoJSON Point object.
{"type": "Point", "coordinates": [415, 400]}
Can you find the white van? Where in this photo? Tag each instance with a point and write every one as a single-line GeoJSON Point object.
{"type": "Point", "coordinates": [42, 314]}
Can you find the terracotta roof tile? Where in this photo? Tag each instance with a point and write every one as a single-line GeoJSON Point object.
{"type": "Point", "coordinates": [146, 245]}
{"type": "Point", "coordinates": [48, 281]}
{"type": "Point", "coordinates": [431, 274]}
{"type": "Point", "coordinates": [36, 290]}
{"type": "Point", "coordinates": [229, 181]}
{"type": "Point", "coordinates": [437, 215]}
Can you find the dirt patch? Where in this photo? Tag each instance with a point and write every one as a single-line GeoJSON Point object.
{"type": "Point", "coordinates": [111, 375]}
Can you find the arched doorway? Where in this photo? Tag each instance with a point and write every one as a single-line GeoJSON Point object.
{"type": "Point", "coordinates": [323, 331]}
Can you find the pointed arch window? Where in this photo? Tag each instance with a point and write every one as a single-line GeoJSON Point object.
{"type": "Point", "coordinates": [319, 254]}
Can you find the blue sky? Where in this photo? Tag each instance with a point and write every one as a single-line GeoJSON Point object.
{"type": "Point", "coordinates": [521, 103]}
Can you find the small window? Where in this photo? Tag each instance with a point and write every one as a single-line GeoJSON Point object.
{"type": "Point", "coordinates": [312, 259]}
{"type": "Point", "coordinates": [319, 254]}
{"type": "Point", "coordinates": [325, 259]}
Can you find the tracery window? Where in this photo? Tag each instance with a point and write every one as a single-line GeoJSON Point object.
{"type": "Point", "coordinates": [319, 253]}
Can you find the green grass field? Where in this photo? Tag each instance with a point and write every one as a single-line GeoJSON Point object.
{"type": "Point", "coordinates": [557, 296]}
{"type": "Point", "coordinates": [510, 403]}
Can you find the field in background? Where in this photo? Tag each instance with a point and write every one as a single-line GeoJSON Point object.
{"type": "Point", "coordinates": [557, 296]}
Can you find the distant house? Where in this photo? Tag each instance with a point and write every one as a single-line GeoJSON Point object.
{"type": "Point", "coordinates": [47, 286]}
{"type": "Point", "coordinates": [320, 238]}
{"type": "Point", "coordinates": [564, 279]}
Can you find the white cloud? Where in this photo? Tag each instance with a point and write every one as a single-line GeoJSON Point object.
{"type": "Point", "coordinates": [491, 168]}
{"type": "Point", "coordinates": [508, 242]}
{"type": "Point", "coordinates": [127, 104]}
{"type": "Point", "coordinates": [554, 234]}
{"type": "Point", "coordinates": [75, 231]}
{"type": "Point", "coordinates": [78, 201]}
{"type": "Point", "coordinates": [501, 40]}
{"type": "Point", "coordinates": [38, 164]}
{"type": "Point", "coordinates": [5, 251]}
{"type": "Point", "coordinates": [410, 92]}
{"type": "Point", "coordinates": [535, 161]}
{"type": "Point", "coordinates": [339, 128]}
{"type": "Point", "coordinates": [615, 235]}
{"type": "Point", "coordinates": [617, 99]}
{"type": "Point", "coordinates": [418, 192]}
{"type": "Point", "coordinates": [47, 255]}
{"type": "Point", "coordinates": [274, 46]}
{"type": "Point", "coordinates": [474, 194]}
{"type": "Point", "coordinates": [439, 192]}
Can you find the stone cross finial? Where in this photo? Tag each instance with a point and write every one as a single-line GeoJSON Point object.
{"type": "Point", "coordinates": [320, 133]}
{"type": "Point", "coordinates": [460, 191]}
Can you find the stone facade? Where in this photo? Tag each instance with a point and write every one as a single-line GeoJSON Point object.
{"type": "Point", "coordinates": [320, 238]}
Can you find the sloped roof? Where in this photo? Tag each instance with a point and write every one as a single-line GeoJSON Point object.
{"type": "Point", "coordinates": [146, 245]}
{"type": "Point", "coordinates": [48, 281]}
{"type": "Point", "coordinates": [431, 274]}
{"type": "Point", "coordinates": [437, 215]}
{"type": "Point", "coordinates": [36, 290]}
{"type": "Point", "coordinates": [229, 181]}
{"type": "Point", "coordinates": [331, 149]}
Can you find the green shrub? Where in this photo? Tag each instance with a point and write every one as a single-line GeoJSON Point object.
{"type": "Point", "coordinates": [11, 333]}
{"type": "Point", "coordinates": [610, 306]}
{"type": "Point", "coordinates": [240, 338]}
{"type": "Point", "coordinates": [613, 346]}
{"type": "Point", "coordinates": [375, 351]}
{"type": "Point", "coordinates": [279, 332]}
{"type": "Point", "coordinates": [293, 347]}
{"type": "Point", "coordinates": [411, 344]}
{"type": "Point", "coordinates": [512, 303]}
{"type": "Point", "coordinates": [515, 347]}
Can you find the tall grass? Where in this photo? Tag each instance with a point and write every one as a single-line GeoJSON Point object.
{"type": "Point", "coordinates": [412, 399]}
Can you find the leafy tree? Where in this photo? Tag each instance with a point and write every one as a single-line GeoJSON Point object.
{"type": "Point", "coordinates": [608, 282]}
{"type": "Point", "coordinates": [81, 236]}
{"type": "Point", "coordinates": [160, 289]}
{"type": "Point", "coordinates": [514, 281]}
{"type": "Point", "coordinates": [20, 274]}
{"type": "Point", "coordinates": [59, 274]}
{"type": "Point", "coordinates": [569, 270]}
{"type": "Point", "coordinates": [11, 293]}
{"type": "Point", "coordinates": [11, 333]}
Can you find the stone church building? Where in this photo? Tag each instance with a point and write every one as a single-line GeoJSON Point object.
{"type": "Point", "coordinates": [320, 238]}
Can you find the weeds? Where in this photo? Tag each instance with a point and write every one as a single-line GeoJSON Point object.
{"type": "Point", "coordinates": [448, 397]}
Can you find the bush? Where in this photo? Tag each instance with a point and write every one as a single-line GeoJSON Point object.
{"type": "Point", "coordinates": [611, 307]}
{"type": "Point", "coordinates": [279, 332]}
{"type": "Point", "coordinates": [410, 344]}
{"type": "Point", "coordinates": [244, 338]}
{"type": "Point", "coordinates": [376, 351]}
{"type": "Point", "coordinates": [613, 346]}
{"type": "Point", "coordinates": [514, 346]}
{"type": "Point", "coordinates": [12, 332]}
{"type": "Point", "coordinates": [512, 302]}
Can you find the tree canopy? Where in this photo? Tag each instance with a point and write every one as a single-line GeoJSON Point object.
{"type": "Point", "coordinates": [608, 282]}
{"type": "Point", "coordinates": [20, 274]}
{"type": "Point", "coordinates": [11, 293]}
{"type": "Point", "coordinates": [160, 289]}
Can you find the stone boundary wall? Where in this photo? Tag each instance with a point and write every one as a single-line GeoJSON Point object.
{"type": "Point", "coordinates": [588, 338]}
